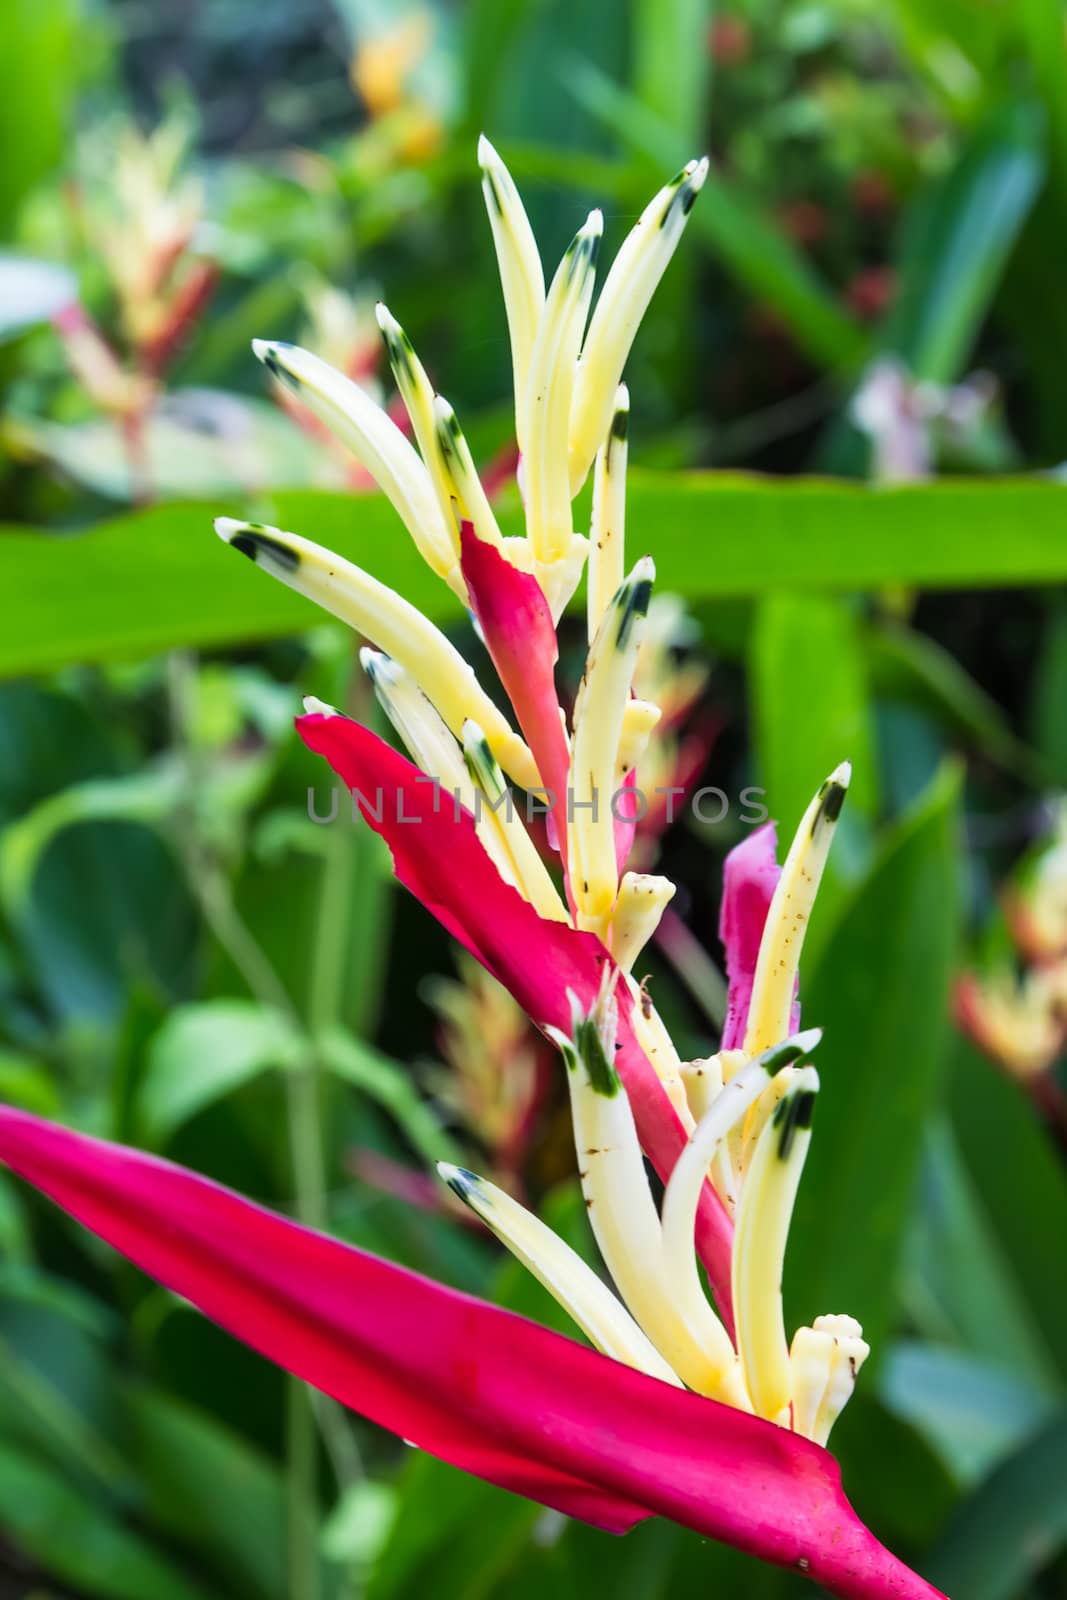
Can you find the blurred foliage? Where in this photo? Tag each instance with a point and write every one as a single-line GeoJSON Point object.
{"type": "Point", "coordinates": [871, 288]}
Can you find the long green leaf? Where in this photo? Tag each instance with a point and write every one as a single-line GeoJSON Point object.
{"type": "Point", "coordinates": [959, 1283]}
{"type": "Point", "coordinates": [1020, 1183]}
{"type": "Point", "coordinates": [79, 1542]}
{"type": "Point", "coordinates": [1012, 1526]}
{"type": "Point", "coordinates": [957, 240]}
{"type": "Point", "coordinates": [184, 1459]}
{"type": "Point", "coordinates": [43, 63]}
{"type": "Point", "coordinates": [880, 992]}
{"type": "Point", "coordinates": [155, 579]}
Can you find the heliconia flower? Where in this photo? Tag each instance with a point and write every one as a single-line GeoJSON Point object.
{"type": "Point", "coordinates": [1035, 903]}
{"type": "Point", "coordinates": [698, 1408]}
{"type": "Point", "coordinates": [497, 1069]}
{"type": "Point", "coordinates": [1021, 1023]}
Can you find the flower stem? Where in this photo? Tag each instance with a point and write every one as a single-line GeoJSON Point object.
{"type": "Point", "coordinates": [306, 1407]}
{"type": "Point", "coordinates": [301, 1442]}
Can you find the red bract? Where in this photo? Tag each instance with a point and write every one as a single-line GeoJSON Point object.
{"type": "Point", "coordinates": [486, 1390]}
{"type": "Point", "coordinates": [521, 639]}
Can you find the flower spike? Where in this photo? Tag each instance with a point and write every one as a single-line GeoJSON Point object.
{"type": "Point", "coordinates": [609, 1440]}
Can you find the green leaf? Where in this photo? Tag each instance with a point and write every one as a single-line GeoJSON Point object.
{"type": "Point", "coordinates": [207, 1485]}
{"type": "Point", "coordinates": [894, 1476]}
{"type": "Point", "coordinates": [453, 1534]}
{"type": "Point", "coordinates": [959, 1284]}
{"type": "Point", "coordinates": [147, 796]}
{"type": "Point", "coordinates": [206, 1050]}
{"type": "Point", "coordinates": [79, 1542]}
{"type": "Point", "coordinates": [15, 1243]}
{"type": "Point", "coordinates": [43, 62]}
{"type": "Point", "coordinates": [808, 689]}
{"type": "Point", "coordinates": [31, 292]}
{"type": "Point", "coordinates": [492, 29]}
{"type": "Point", "coordinates": [1041, 28]}
{"type": "Point", "coordinates": [957, 239]}
{"type": "Point", "coordinates": [24, 1083]}
{"type": "Point", "coordinates": [53, 1382]}
{"type": "Point", "coordinates": [1015, 1172]}
{"type": "Point", "coordinates": [972, 1412]}
{"type": "Point", "coordinates": [389, 1084]}
{"type": "Point", "coordinates": [159, 578]}
{"type": "Point", "coordinates": [880, 992]}
{"type": "Point", "coordinates": [671, 72]}
{"type": "Point", "coordinates": [1012, 1526]}
{"type": "Point", "coordinates": [811, 711]}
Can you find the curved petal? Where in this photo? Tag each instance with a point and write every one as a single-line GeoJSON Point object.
{"type": "Point", "coordinates": [749, 878]}
{"type": "Point", "coordinates": [438, 856]}
{"type": "Point", "coordinates": [487, 1390]}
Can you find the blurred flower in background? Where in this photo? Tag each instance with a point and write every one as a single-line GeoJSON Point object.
{"type": "Point", "coordinates": [1016, 1012]}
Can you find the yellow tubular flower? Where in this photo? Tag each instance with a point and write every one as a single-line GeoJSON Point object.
{"type": "Point", "coordinates": [608, 524]}
{"type": "Point", "coordinates": [433, 748]}
{"type": "Point", "coordinates": [643, 897]}
{"type": "Point", "coordinates": [465, 486]}
{"type": "Point", "coordinates": [763, 1218]}
{"type": "Point", "coordinates": [601, 1317]}
{"type": "Point", "coordinates": [598, 722]}
{"type": "Point", "coordinates": [417, 393]}
{"type": "Point", "coordinates": [825, 1359]}
{"type": "Point", "coordinates": [549, 389]}
{"type": "Point", "coordinates": [787, 919]}
{"type": "Point", "coordinates": [623, 1215]}
{"type": "Point", "coordinates": [521, 274]}
{"type": "Point", "coordinates": [374, 439]}
{"type": "Point", "coordinates": [394, 625]}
